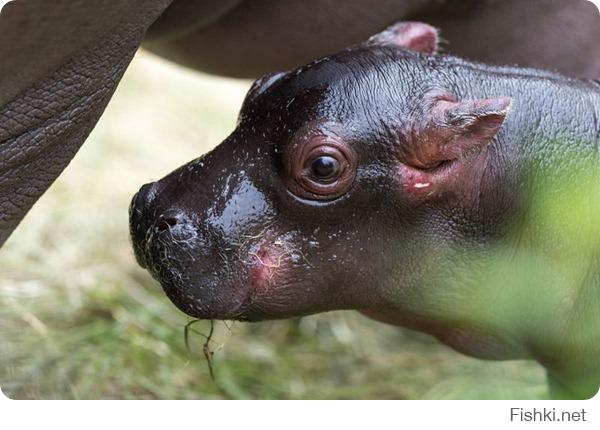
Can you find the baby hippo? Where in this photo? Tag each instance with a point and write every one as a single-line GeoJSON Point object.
{"type": "Point", "coordinates": [424, 191]}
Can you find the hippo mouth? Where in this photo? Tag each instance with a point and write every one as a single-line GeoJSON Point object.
{"type": "Point", "coordinates": [196, 292]}
{"type": "Point", "coordinates": [199, 290]}
{"type": "Point", "coordinates": [193, 300]}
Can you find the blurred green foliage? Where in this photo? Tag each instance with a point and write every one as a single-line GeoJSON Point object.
{"type": "Point", "coordinates": [79, 319]}
{"type": "Point", "coordinates": [537, 287]}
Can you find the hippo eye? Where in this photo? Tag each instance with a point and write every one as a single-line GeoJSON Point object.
{"type": "Point", "coordinates": [323, 168]}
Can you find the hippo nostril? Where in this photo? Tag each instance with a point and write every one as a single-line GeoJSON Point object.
{"type": "Point", "coordinates": [166, 224]}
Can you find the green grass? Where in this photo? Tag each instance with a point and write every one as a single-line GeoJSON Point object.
{"type": "Point", "coordinates": [79, 319]}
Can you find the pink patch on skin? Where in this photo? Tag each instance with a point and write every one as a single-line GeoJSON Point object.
{"type": "Point", "coordinates": [416, 182]}
{"type": "Point", "coordinates": [264, 267]}
{"type": "Point", "coordinates": [452, 178]}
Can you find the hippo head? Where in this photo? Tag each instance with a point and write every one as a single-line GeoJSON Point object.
{"type": "Point", "coordinates": [329, 192]}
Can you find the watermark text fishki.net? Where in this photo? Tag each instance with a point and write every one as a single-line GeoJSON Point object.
{"type": "Point", "coordinates": [547, 415]}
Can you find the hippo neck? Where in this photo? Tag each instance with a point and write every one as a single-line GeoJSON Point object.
{"type": "Point", "coordinates": [567, 128]}
{"type": "Point", "coordinates": [499, 290]}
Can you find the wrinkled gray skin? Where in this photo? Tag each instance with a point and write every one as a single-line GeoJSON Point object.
{"type": "Point", "coordinates": [61, 60]}
{"type": "Point", "coordinates": [441, 155]}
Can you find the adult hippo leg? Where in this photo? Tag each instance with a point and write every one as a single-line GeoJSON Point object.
{"type": "Point", "coordinates": [263, 35]}
{"type": "Point", "coordinates": [60, 62]}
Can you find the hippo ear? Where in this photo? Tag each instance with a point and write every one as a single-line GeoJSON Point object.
{"type": "Point", "coordinates": [454, 130]}
{"type": "Point", "coordinates": [257, 88]}
{"type": "Point", "coordinates": [263, 83]}
{"type": "Point", "coordinates": [414, 36]}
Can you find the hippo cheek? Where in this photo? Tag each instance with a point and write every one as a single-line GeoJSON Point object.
{"type": "Point", "coordinates": [286, 279]}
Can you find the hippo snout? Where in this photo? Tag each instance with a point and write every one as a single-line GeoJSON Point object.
{"type": "Point", "coordinates": [138, 224]}
{"type": "Point", "coordinates": [149, 224]}
{"type": "Point", "coordinates": [190, 242]}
